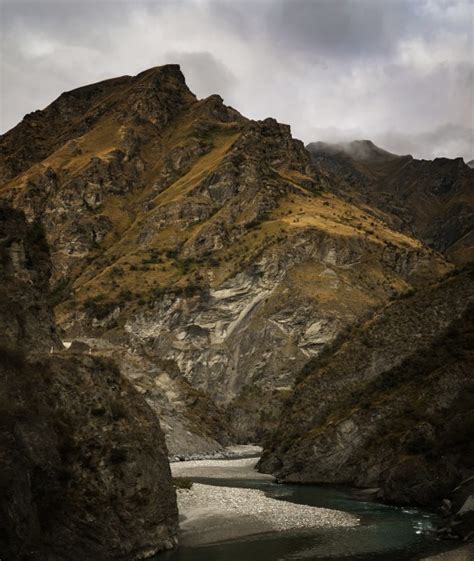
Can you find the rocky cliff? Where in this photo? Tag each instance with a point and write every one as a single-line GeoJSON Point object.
{"type": "Point", "coordinates": [193, 424]}
{"type": "Point", "coordinates": [389, 404]}
{"type": "Point", "coordinates": [430, 200]}
{"type": "Point", "coordinates": [26, 320]}
{"type": "Point", "coordinates": [83, 464]}
{"type": "Point", "coordinates": [180, 231]}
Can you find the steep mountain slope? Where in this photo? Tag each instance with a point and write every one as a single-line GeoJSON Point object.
{"type": "Point", "coordinates": [389, 405]}
{"type": "Point", "coordinates": [431, 200]}
{"type": "Point", "coordinates": [76, 112]}
{"type": "Point", "coordinates": [83, 464]}
{"type": "Point", "coordinates": [193, 424]}
{"type": "Point", "coordinates": [181, 231]}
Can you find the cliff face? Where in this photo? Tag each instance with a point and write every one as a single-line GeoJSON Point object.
{"type": "Point", "coordinates": [25, 266]}
{"type": "Point", "coordinates": [83, 464]}
{"type": "Point", "coordinates": [183, 232]}
{"type": "Point", "coordinates": [193, 424]}
{"type": "Point", "coordinates": [430, 200]}
{"type": "Point", "coordinates": [390, 404]}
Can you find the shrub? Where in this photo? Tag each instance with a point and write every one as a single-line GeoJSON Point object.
{"type": "Point", "coordinates": [182, 483]}
{"type": "Point", "coordinates": [126, 295]}
{"type": "Point", "coordinates": [171, 253]}
{"type": "Point", "coordinates": [98, 309]}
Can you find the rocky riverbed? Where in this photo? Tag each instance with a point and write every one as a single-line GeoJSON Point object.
{"type": "Point", "coordinates": [235, 452]}
{"type": "Point", "coordinates": [209, 514]}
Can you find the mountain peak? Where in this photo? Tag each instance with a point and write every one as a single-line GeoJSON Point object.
{"type": "Point", "coordinates": [169, 74]}
{"type": "Point", "coordinates": [172, 70]}
{"type": "Point", "coordinates": [154, 96]}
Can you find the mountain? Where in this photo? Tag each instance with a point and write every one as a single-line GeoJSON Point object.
{"type": "Point", "coordinates": [389, 404]}
{"type": "Point", "coordinates": [83, 464]}
{"type": "Point", "coordinates": [206, 250]}
{"type": "Point", "coordinates": [209, 272]}
{"type": "Point", "coordinates": [471, 163]}
{"type": "Point", "coordinates": [430, 200]}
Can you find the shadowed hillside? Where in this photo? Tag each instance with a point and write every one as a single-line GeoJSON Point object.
{"type": "Point", "coordinates": [430, 200]}
{"type": "Point", "coordinates": [84, 472]}
{"type": "Point", "coordinates": [389, 405]}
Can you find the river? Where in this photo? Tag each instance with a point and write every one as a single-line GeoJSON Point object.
{"type": "Point", "coordinates": [385, 533]}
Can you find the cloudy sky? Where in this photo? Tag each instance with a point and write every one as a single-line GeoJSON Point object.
{"type": "Point", "coordinates": [399, 72]}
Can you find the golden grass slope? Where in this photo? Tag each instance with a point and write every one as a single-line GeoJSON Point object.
{"type": "Point", "coordinates": [153, 178]}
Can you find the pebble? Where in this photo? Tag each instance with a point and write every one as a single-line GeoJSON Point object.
{"type": "Point", "coordinates": [280, 515]}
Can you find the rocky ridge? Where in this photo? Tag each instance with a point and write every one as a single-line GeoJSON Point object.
{"type": "Point", "coordinates": [193, 424]}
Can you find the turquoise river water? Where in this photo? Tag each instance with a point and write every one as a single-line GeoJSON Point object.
{"type": "Point", "coordinates": [385, 533]}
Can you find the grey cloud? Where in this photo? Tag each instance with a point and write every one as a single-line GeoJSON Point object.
{"type": "Point", "coordinates": [334, 28]}
{"type": "Point", "coordinates": [367, 66]}
{"type": "Point", "coordinates": [344, 27]}
{"type": "Point", "coordinates": [446, 140]}
{"type": "Point", "coordinates": [205, 74]}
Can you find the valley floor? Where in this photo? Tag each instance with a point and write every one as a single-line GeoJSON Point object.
{"type": "Point", "coordinates": [210, 513]}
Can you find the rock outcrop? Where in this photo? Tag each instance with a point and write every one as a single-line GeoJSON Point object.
{"type": "Point", "coordinates": [84, 472]}
{"type": "Point", "coordinates": [388, 405]}
{"type": "Point", "coordinates": [26, 320]}
{"type": "Point", "coordinates": [430, 200]}
{"type": "Point", "coordinates": [458, 512]}
{"type": "Point", "coordinates": [192, 423]}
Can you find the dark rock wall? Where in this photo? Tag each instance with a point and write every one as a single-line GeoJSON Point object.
{"type": "Point", "coordinates": [83, 463]}
{"type": "Point", "coordinates": [25, 266]}
{"type": "Point", "coordinates": [84, 468]}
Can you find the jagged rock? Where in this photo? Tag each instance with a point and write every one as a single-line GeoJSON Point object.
{"type": "Point", "coordinates": [191, 422]}
{"type": "Point", "coordinates": [25, 267]}
{"type": "Point", "coordinates": [458, 512]}
{"type": "Point", "coordinates": [78, 347]}
{"type": "Point", "coordinates": [84, 467]}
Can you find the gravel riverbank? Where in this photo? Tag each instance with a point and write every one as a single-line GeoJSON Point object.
{"type": "Point", "coordinates": [242, 468]}
{"type": "Point", "coordinates": [210, 514]}
{"type": "Point", "coordinates": [228, 453]}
